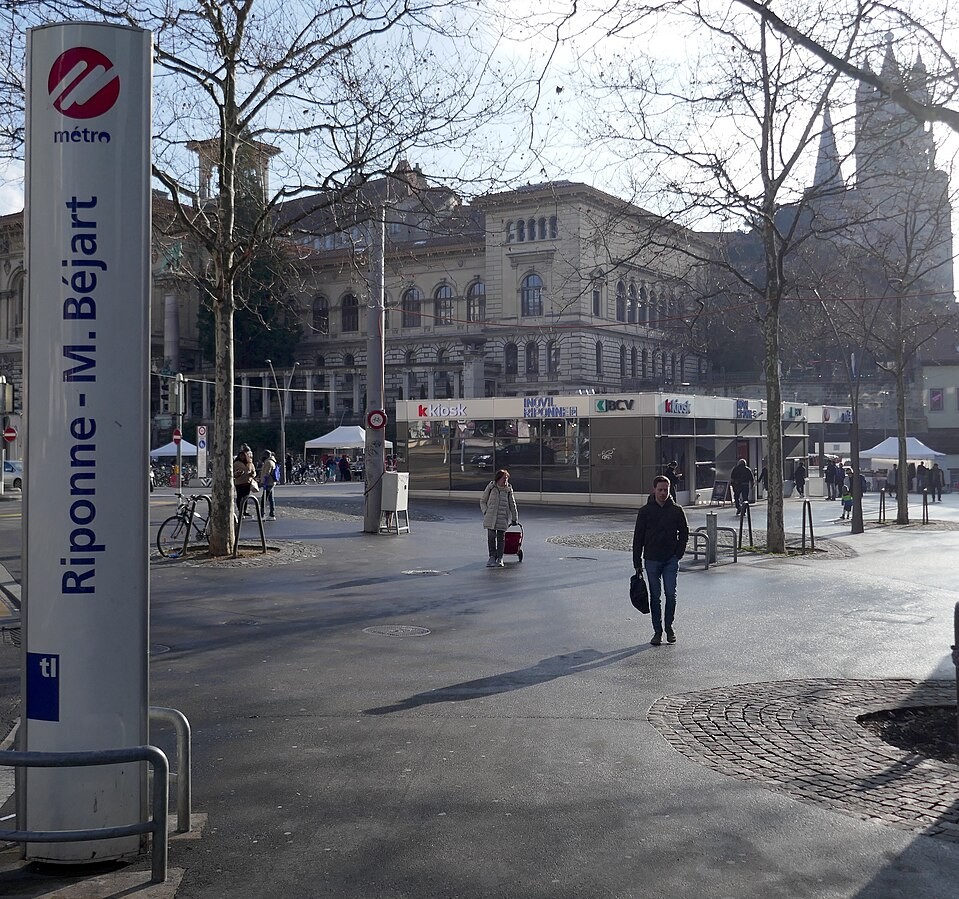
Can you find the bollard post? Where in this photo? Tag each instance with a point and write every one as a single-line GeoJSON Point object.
{"type": "Point", "coordinates": [882, 505]}
{"type": "Point", "coordinates": [925, 506]}
{"type": "Point", "coordinates": [955, 661]}
{"type": "Point", "coordinates": [712, 536]}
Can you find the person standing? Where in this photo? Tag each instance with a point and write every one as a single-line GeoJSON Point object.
{"type": "Point", "coordinates": [892, 482]}
{"type": "Point", "coordinates": [660, 539]}
{"type": "Point", "coordinates": [498, 506]}
{"type": "Point", "coordinates": [799, 476]}
{"type": "Point", "coordinates": [741, 479]}
{"type": "Point", "coordinates": [344, 466]}
{"type": "Point", "coordinates": [937, 480]}
{"type": "Point", "coordinates": [244, 474]}
{"type": "Point", "coordinates": [922, 477]}
{"type": "Point", "coordinates": [674, 475]}
{"type": "Point", "coordinates": [268, 472]}
{"type": "Point", "coordinates": [830, 476]}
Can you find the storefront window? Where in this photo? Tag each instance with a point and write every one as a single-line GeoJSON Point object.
{"type": "Point", "coordinates": [472, 455]}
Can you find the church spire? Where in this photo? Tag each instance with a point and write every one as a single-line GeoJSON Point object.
{"type": "Point", "coordinates": [828, 175]}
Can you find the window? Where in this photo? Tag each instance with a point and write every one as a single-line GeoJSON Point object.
{"type": "Point", "coordinates": [645, 363]}
{"type": "Point", "coordinates": [349, 360]}
{"type": "Point", "coordinates": [531, 294]}
{"type": "Point", "coordinates": [411, 303]}
{"type": "Point", "coordinates": [510, 232]}
{"type": "Point", "coordinates": [521, 230]}
{"type": "Point", "coordinates": [620, 301]}
{"type": "Point", "coordinates": [599, 360]}
{"type": "Point", "coordinates": [552, 357]}
{"type": "Point", "coordinates": [553, 228]}
{"type": "Point", "coordinates": [441, 357]}
{"type": "Point", "coordinates": [532, 358]}
{"type": "Point", "coordinates": [512, 358]}
{"type": "Point", "coordinates": [542, 229]}
{"type": "Point", "coordinates": [631, 311]}
{"type": "Point", "coordinates": [443, 305]}
{"type": "Point", "coordinates": [476, 302]}
{"type": "Point", "coordinates": [320, 362]}
{"type": "Point", "coordinates": [350, 313]}
{"type": "Point", "coordinates": [597, 302]}
{"type": "Point", "coordinates": [644, 305]}
{"type": "Point", "coordinates": [622, 362]}
{"type": "Point", "coordinates": [531, 229]}
{"type": "Point", "coordinates": [633, 361]}
{"type": "Point", "coordinates": [321, 315]}
{"type": "Point", "coordinates": [937, 399]}
{"type": "Point", "coordinates": [410, 357]}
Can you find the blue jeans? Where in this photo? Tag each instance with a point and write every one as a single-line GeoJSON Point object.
{"type": "Point", "coordinates": [667, 571]}
{"type": "Point", "coordinates": [268, 497]}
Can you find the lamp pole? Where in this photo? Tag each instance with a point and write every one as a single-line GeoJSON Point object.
{"type": "Point", "coordinates": [282, 399]}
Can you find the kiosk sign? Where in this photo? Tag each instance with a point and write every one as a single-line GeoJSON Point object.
{"type": "Point", "coordinates": [86, 563]}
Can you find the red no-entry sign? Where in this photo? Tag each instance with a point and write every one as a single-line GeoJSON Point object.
{"type": "Point", "coordinates": [10, 434]}
{"type": "Point", "coordinates": [177, 436]}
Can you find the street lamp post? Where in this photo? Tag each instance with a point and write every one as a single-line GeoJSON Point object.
{"type": "Point", "coordinates": [282, 398]}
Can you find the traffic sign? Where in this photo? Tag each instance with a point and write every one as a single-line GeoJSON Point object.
{"type": "Point", "coordinates": [376, 419]}
{"type": "Point", "coordinates": [10, 434]}
{"type": "Point", "coordinates": [177, 436]}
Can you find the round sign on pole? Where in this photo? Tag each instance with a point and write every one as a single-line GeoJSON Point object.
{"type": "Point", "coordinates": [376, 419]}
{"type": "Point", "coordinates": [10, 434]}
{"type": "Point", "coordinates": [177, 436]}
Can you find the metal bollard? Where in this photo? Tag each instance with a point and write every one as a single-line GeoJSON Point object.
{"type": "Point", "coordinates": [712, 536]}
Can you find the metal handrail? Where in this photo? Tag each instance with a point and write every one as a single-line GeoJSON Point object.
{"type": "Point", "coordinates": [161, 797]}
{"type": "Point", "coordinates": [183, 775]}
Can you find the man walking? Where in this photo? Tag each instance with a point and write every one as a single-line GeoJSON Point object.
{"type": "Point", "coordinates": [741, 478]}
{"type": "Point", "coordinates": [660, 537]}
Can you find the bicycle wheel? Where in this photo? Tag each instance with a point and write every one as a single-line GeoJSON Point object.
{"type": "Point", "coordinates": [170, 537]}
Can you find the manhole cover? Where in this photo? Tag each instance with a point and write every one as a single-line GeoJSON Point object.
{"type": "Point", "coordinates": [397, 630]}
{"type": "Point", "coordinates": [242, 622]}
{"type": "Point", "coordinates": [157, 649]}
{"type": "Point", "coordinates": [425, 572]}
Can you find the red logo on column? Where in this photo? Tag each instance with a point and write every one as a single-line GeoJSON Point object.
{"type": "Point", "coordinates": [80, 83]}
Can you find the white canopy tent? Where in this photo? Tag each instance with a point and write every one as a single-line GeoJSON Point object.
{"type": "Point", "coordinates": [916, 450]}
{"type": "Point", "coordinates": [170, 449]}
{"type": "Point", "coordinates": [343, 437]}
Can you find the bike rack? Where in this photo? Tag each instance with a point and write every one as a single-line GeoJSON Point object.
{"type": "Point", "coordinates": [700, 534]}
{"type": "Point", "coordinates": [239, 522]}
{"type": "Point", "coordinates": [161, 793]}
{"type": "Point", "coordinates": [745, 514]}
{"type": "Point", "coordinates": [807, 514]}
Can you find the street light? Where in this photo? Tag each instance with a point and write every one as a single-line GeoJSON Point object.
{"type": "Point", "coordinates": [282, 399]}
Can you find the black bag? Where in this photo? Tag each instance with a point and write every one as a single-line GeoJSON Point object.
{"type": "Point", "coordinates": [639, 594]}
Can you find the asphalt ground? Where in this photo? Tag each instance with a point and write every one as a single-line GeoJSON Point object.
{"type": "Point", "coordinates": [511, 733]}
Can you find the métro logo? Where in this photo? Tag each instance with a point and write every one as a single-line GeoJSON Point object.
{"type": "Point", "coordinates": [80, 83]}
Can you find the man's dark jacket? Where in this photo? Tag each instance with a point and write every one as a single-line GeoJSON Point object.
{"type": "Point", "coordinates": [661, 532]}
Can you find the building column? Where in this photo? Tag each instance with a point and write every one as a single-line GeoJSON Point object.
{"type": "Point", "coordinates": [205, 400]}
{"type": "Point", "coordinates": [245, 398]}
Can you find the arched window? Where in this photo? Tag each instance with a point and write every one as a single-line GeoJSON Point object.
{"type": "Point", "coordinates": [521, 229]}
{"type": "Point", "coordinates": [599, 360]}
{"type": "Point", "coordinates": [552, 357]}
{"type": "Point", "coordinates": [531, 295]}
{"type": "Point", "coordinates": [510, 232]}
{"type": "Point", "coordinates": [597, 300]}
{"type": "Point", "coordinates": [633, 362]}
{"type": "Point", "coordinates": [350, 313]}
{"type": "Point", "coordinates": [410, 357]}
{"type": "Point", "coordinates": [553, 227]}
{"type": "Point", "coordinates": [320, 362]}
{"type": "Point", "coordinates": [512, 358]}
{"type": "Point", "coordinates": [321, 315]}
{"type": "Point", "coordinates": [443, 305]}
{"type": "Point", "coordinates": [622, 362]}
{"type": "Point", "coordinates": [476, 302]}
{"type": "Point", "coordinates": [349, 361]}
{"type": "Point", "coordinates": [531, 229]}
{"type": "Point", "coordinates": [645, 363]}
{"type": "Point", "coordinates": [632, 311]}
{"type": "Point", "coordinates": [644, 305]}
{"type": "Point", "coordinates": [411, 304]}
{"type": "Point", "coordinates": [532, 358]}
{"type": "Point", "coordinates": [653, 318]}
{"type": "Point", "coordinates": [542, 229]}
{"type": "Point", "coordinates": [620, 301]}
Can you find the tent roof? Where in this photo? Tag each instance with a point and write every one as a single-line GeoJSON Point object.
{"type": "Point", "coordinates": [170, 449]}
{"type": "Point", "coordinates": [889, 449]}
{"type": "Point", "coordinates": [343, 437]}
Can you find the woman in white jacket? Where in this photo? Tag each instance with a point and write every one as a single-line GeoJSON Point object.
{"type": "Point", "coordinates": [499, 512]}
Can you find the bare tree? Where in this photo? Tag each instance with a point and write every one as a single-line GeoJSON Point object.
{"type": "Point", "coordinates": [320, 98]}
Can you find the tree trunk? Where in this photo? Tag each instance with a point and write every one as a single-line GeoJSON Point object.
{"type": "Point", "coordinates": [775, 532]}
{"type": "Point", "coordinates": [223, 498]}
{"type": "Point", "coordinates": [902, 488]}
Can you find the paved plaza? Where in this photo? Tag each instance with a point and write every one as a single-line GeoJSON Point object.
{"type": "Point", "coordinates": [382, 716]}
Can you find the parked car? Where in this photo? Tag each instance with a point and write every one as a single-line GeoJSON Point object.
{"type": "Point", "coordinates": [13, 474]}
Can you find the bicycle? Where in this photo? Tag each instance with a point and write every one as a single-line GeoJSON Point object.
{"type": "Point", "coordinates": [175, 532]}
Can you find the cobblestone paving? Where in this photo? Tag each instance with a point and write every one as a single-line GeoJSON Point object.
{"type": "Point", "coordinates": [279, 552]}
{"type": "Point", "coordinates": [801, 738]}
